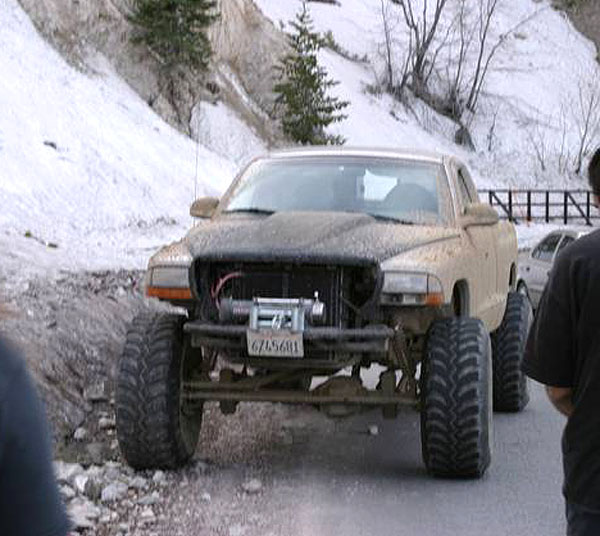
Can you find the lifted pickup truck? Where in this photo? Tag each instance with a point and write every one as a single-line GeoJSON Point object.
{"type": "Point", "coordinates": [321, 261]}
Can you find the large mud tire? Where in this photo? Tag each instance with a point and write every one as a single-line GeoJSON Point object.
{"type": "Point", "coordinates": [456, 396]}
{"type": "Point", "coordinates": [508, 343]}
{"type": "Point", "coordinates": [153, 429]}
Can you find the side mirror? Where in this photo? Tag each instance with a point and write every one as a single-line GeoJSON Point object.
{"type": "Point", "coordinates": [204, 207]}
{"type": "Point", "coordinates": [479, 214]}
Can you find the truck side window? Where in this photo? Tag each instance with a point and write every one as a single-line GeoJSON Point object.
{"type": "Point", "coordinates": [469, 185]}
{"type": "Point", "coordinates": [463, 191]}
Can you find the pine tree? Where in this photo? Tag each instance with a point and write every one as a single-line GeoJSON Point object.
{"type": "Point", "coordinates": [175, 30]}
{"type": "Point", "coordinates": [302, 88]}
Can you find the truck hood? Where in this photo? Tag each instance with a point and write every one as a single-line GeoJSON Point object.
{"type": "Point", "coordinates": [310, 237]}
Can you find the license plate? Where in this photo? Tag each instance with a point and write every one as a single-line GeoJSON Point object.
{"type": "Point", "coordinates": [274, 343]}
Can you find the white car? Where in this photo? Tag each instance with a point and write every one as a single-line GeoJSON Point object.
{"type": "Point", "coordinates": [535, 264]}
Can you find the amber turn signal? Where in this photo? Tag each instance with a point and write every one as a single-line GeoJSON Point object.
{"type": "Point", "coordinates": [434, 299]}
{"type": "Point", "coordinates": [163, 293]}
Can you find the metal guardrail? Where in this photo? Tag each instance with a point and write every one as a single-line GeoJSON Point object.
{"type": "Point", "coordinates": [567, 206]}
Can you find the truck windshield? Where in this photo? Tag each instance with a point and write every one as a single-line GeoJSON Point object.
{"type": "Point", "coordinates": [387, 189]}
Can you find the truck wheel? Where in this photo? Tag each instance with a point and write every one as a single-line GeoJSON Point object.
{"type": "Point", "coordinates": [154, 429]}
{"type": "Point", "coordinates": [456, 398]}
{"type": "Point", "coordinates": [508, 342]}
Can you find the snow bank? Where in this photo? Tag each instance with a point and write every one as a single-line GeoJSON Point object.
{"type": "Point", "coordinates": [221, 130]}
{"type": "Point", "coordinates": [84, 162]}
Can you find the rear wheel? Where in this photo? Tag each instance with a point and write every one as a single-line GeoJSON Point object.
{"type": "Point", "coordinates": [155, 429]}
{"type": "Point", "coordinates": [508, 342]}
{"type": "Point", "coordinates": [456, 414]}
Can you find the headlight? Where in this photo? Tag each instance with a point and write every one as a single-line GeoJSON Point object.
{"type": "Point", "coordinates": [406, 288]}
{"type": "Point", "coordinates": [400, 282]}
{"type": "Point", "coordinates": [169, 283]}
{"type": "Point", "coordinates": [169, 276]}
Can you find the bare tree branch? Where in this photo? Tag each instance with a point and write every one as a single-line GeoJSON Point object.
{"type": "Point", "coordinates": [481, 74]}
{"type": "Point", "coordinates": [537, 141]}
{"type": "Point", "coordinates": [564, 155]}
{"type": "Point", "coordinates": [388, 47]}
{"type": "Point", "coordinates": [485, 18]}
{"type": "Point", "coordinates": [586, 115]}
{"type": "Point", "coordinates": [423, 32]}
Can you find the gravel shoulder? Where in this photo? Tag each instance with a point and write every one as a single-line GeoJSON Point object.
{"type": "Point", "coordinates": [70, 329]}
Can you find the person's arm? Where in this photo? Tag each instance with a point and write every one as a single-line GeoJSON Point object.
{"type": "Point", "coordinates": [562, 399]}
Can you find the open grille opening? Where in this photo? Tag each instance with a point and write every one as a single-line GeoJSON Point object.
{"type": "Point", "coordinates": [343, 289]}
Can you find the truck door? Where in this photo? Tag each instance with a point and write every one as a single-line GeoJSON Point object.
{"type": "Point", "coordinates": [484, 281]}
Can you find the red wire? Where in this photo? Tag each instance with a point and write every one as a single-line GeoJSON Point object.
{"type": "Point", "coordinates": [216, 290]}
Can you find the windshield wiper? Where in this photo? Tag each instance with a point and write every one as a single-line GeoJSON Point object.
{"type": "Point", "coordinates": [382, 217]}
{"type": "Point", "coordinates": [250, 210]}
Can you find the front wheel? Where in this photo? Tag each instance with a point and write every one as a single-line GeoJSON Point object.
{"type": "Point", "coordinates": [155, 429]}
{"type": "Point", "coordinates": [456, 395]}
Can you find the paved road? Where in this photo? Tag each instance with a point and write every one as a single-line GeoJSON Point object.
{"type": "Point", "coordinates": [325, 478]}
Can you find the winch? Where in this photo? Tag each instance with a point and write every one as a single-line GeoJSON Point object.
{"type": "Point", "coordinates": [273, 313]}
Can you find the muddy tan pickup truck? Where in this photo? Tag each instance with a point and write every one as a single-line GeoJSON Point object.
{"type": "Point", "coordinates": [321, 263]}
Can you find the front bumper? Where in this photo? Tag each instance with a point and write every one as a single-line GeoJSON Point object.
{"type": "Point", "coordinates": [368, 340]}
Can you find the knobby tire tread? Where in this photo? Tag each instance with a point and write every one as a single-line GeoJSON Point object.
{"type": "Point", "coordinates": [455, 416]}
{"type": "Point", "coordinates": [147, 397]}
{"type": "Point", "coordinates": [508, 342]}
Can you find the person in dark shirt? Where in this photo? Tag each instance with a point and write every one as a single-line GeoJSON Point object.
{"type": "Point", "coordinates": [30, 504]}
{"type": "Point", "coordinates": [563, 353]}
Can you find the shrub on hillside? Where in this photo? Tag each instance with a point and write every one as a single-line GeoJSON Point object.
{"type": "Point", "coordinates": [302, 98]}
{"type": "Point", "coordinates": [175, 30]}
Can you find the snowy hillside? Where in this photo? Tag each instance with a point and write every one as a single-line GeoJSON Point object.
{"type": "Point", "coordinates": [85, 163]}
{"type": "Point", "coordinates": [536, 73]}
{"type": "Point", "coordinates": [529, 106]}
